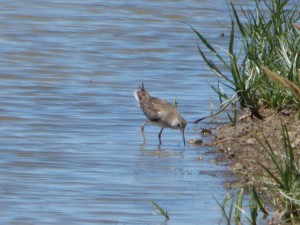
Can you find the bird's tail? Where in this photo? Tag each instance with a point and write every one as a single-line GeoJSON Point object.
{"type": "Point", "coordinates": [136, 95]}
{"type": "Point", "coordinates": [142, 94]}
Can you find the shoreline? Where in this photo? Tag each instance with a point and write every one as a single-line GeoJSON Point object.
{"type": "Point", "coordinates": [238, 145]}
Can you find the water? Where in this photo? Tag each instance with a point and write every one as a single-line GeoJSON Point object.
{"type": "Point", "coordinates": [70, 136]}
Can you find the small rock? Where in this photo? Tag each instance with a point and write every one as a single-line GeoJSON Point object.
{"type": "Point", "coordinates": [238, 166]}
{"type": "Point", "coordinates": [195, 141]}
{"type": "Point", "coordinates": [213, 161]}
{"type": "Point", "coordinates": [206, 131]}
{"type": "Point", "coordinates": [231, 156]}
{"type": "Point", "coordinates": [251, 141]}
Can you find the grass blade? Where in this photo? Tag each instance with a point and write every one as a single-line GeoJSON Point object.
{"type": "Point", "coordinates": [161, 211]}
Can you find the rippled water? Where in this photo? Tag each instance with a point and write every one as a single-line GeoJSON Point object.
{"type": "Point", "coordinates": [70, 136]}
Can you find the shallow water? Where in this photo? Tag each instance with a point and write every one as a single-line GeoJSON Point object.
{"type": "Point", "coordinates": [70, 136]}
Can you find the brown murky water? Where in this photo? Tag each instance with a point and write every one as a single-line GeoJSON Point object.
{"type": "Point", "coordinates": [70, 126]}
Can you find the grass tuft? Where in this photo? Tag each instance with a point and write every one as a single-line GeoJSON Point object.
{"type": "Point", "coordinates": [284, 83]}
{"type": "Point", "coordinates": [284, 178]}
{"type": "Point", "coordinates": [270, 41]}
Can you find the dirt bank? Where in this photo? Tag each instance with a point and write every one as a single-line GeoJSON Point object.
{"type": "Point", "coordinates": [238, 144]}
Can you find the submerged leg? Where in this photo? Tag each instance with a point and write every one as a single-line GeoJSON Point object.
{"type": "Point", "coordinates": [159, 136]}
{"type": "Point", "coordinates": [142, 129]}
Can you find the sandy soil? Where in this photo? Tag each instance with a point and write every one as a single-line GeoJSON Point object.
{"type": "Point", "coordinates": [239, 147]}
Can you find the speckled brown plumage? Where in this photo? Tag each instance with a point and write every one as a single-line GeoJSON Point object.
{"type": "Point", "coordinates": [159, 112]}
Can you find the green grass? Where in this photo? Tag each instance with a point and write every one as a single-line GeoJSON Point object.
{"type": "Point", "coordinates": [163, 212]}
{"type": "Point", "coordinates": [284, 179]}
{"type": "Point", "coordinates": [281, 179]}
{"type": "Point", "coordinates": [234, 209]}
{"type": "Point", "coordinates": [269, 40]}
{"type": "Point", "coordinates": [263, 72]}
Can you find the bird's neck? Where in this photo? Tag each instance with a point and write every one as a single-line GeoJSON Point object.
{"type": "Point", "coordinates": [143, 95]}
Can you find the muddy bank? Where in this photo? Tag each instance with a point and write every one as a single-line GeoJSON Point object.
{"type": "Point", "coordinates": [239, 147]}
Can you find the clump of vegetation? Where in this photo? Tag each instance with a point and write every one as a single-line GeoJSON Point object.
{"type": "Point", "coordinates": [263, 72]}
{"type": "Point", "coordinates": [284, 179]}
{"type": "Point", "coordinates": [270, 45]}
{"type": "Point", "coordinates": [281, 179]}
{"type": "Point", "coordinates": [233, 209]}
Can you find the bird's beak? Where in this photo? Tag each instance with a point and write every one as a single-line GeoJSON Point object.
{"type": "Point", "coordinates": [182, 133]}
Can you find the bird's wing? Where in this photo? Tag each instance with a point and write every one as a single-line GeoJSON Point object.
{"type": "Point", "coordinates": [156, 109]}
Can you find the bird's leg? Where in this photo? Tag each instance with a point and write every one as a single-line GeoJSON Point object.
{"type": "Point", "coordinates": [159, 136]}
{"type": "Point", "coordinates": [142, 129]}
